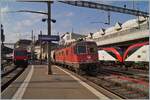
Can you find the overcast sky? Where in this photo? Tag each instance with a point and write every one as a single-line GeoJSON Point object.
{"type": "Point", "coordinates": [68, 18]}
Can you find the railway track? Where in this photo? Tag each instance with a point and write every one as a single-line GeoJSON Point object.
{"type": "Point", "coordinates": [119, 86]}
{"type": "Point", "coordinates": [8, 70]}
{"type": "Point", "coordinates": [135, 75]}
{"type": "Point", "coordinates": [8, 77]}
{"type": "Point", "coordinates": [119, 89]}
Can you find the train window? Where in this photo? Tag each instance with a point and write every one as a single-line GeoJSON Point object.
{"type": "Point", "coordinates": [139, 56]}
{"type": "Point", "coordinates": [20, 53]}
{"type": "Point", "coordinates": [81, 49]}
{"type": "Point", "coordinates": [92, 50]}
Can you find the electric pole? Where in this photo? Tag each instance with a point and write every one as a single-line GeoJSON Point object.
{"type": "Point", "coordinates": [49, 33]}
{"type": "Point", "coordinates": [49, 28]}
{"type": "Point", "coordinates": [2, 46]}
{"type": "Point", "coordinates": [32, 46]}
{"type": "Point", "coordinates": [40, 49]}
{"type": "Point", "coordinates": [2, 34]}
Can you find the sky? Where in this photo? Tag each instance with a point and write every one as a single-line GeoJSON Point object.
{"type": "Point", "coordinates": [68, 18]}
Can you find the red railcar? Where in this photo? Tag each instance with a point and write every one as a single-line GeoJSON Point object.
{"type": "Point", "coordinates": [20, 57]}
{"type": "Point", "coordinates": [80, 56]}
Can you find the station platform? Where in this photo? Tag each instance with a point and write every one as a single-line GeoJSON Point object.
{"type": "Point", "coordinates": [35, 83]}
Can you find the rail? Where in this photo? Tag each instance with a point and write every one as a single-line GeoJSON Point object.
{"type": "Point", "coordinates": [8, 77]}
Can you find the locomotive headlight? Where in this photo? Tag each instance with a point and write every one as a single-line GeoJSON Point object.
{"type": "Point", "coordinates": [89, 57]}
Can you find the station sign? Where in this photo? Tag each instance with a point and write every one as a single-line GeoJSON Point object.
{"type": "Point", "coordinates": [48, 38]}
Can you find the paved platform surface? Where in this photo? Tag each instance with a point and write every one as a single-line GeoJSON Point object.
{"type": "Point", "coordinates": [35, 83]}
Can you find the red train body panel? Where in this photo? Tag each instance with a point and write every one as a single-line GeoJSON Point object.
{"type": "Point", "coordinates": [69, 54]}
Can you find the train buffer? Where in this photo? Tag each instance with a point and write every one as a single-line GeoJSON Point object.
{"type": "Point", "coordinates": [35, 83]}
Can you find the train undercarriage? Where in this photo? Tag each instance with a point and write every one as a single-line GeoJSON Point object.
{"type": "Point", "coordinates": [21, 62]}
{"type": "Point", "coordinates": [84, 68]}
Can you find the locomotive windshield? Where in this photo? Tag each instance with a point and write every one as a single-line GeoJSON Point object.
{"type": "Point", "coordinates": [20, 53]}
{"type": "Point", "coordinates": [86, 47]}
{"type": "Point", "coordinates": [81, 49]}
{"type": "Point", "coordinates": [92, 50]}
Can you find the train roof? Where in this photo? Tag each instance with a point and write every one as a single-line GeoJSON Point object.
{"type": "Point", "coordinates": [74, 43]}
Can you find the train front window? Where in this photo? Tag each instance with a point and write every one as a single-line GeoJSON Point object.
{"type": "Point", "coordinates": [20, 53]}
{"type": "Point", "coordinates": [81, 49]}
{"type": "Point", "coordinates": [92, 50]}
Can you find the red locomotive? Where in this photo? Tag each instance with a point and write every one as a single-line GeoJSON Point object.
{"type": "Point", "coordinates": [20, 57]}
{"type": "Point", "coordinates": [80, 56]}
